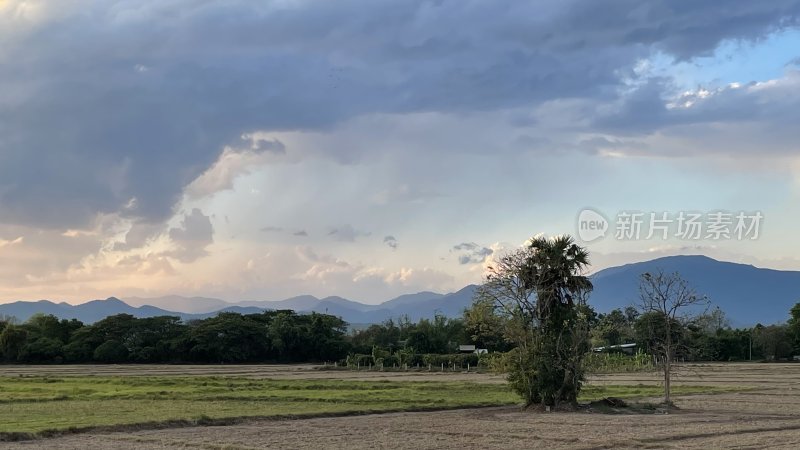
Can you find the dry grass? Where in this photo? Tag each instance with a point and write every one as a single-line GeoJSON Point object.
{"type": "Point", "coordinates": [764, 416]}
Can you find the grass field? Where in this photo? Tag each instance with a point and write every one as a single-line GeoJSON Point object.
{"type": "Point", "coordinates": [34, 405]}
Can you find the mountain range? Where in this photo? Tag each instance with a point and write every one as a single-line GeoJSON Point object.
{"type": "Point", "coordinates": [747, 294]}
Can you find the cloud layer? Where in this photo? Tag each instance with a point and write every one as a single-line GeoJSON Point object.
{"type": "Point", "coordinates": [332, 124]}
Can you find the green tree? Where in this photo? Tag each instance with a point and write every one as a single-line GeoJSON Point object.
{"type": "Point", "coordinates": [111, 351]}
{"type": "Point", "coordinates": [774, 342]}
{"type": "Point", "coordinates": [485, 326]}
{"type": "Point", "coordinates": [12, 339]}
{"type": "Point", "coordinates": [540, 289]}
{"type": "Point", "coordinates": [613, 328]}
{"type": "Point", "coordinates": [794, 328]}
{"type": "Point", "coordinates": [43, 349]}
{"type": "Point", "coordinates": [229, 337]}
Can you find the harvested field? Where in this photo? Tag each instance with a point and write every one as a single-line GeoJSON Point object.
{"type": "Point", "coordinates": [257, 371]}
{"type": "Point", "coordinates": [765, 415]}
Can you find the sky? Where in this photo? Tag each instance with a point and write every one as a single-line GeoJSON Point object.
{"type": "Point", "coordinates": [365, 148]}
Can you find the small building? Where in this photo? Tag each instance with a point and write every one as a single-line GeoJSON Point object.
{"type": "Point", "coordinates": [472, 349]}
{"type": "Point", "coordinates": [628, 349]}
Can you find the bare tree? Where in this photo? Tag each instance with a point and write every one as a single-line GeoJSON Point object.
{"type": "Point", "coordinates": [670, 302]}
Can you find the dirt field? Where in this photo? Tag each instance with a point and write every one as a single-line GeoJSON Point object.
{"type": "Point", "coordinates": [768, 416]}
{"type": "Point", "coordinates": [276, 372]}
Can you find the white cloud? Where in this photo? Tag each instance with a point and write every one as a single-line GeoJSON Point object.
{"type": "Point", "coordinates": [5, 242]}
{"type": "Point", "coordinates": [233, 163]}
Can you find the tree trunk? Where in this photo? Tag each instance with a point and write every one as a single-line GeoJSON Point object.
{"type": "Point", "coordinates": [668, 367]}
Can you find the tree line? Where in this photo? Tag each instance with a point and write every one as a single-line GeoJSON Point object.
{"type": "Point", "coordinates": [272, 336]}
{"type": "Point", "coordinates": [285, 336]}
{"type": "Point", "coordinates": [707, 336]}
{"type": "Point", "coordinates": [290, 337]}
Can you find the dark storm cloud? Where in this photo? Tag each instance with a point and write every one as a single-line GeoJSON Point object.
{"type": "Point", "coordinates": [112, 101]}
{"type": "Point", "coordinates": [192, 237]}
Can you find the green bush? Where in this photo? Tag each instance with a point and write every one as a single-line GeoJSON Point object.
{"type": "Point", "coordinates": [496, 362]}
{"type": "Point", "coordinates": [359, 360]}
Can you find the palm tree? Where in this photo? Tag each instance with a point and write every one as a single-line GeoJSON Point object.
{"type": "Point", "coordinates": [541, 289]}
{"type": "Point", "coordinates": [554, 270]}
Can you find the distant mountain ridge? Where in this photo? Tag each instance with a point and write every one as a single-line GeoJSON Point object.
{"type": "Point", "coordinates": [747, 294]}
{"type": "Point", "coordinates": [415, 306]}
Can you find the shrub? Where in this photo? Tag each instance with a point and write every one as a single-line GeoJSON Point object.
{"type": "Point", "coordinates": [497, 362]}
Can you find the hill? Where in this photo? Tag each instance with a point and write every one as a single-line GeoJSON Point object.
{"type": "Point", "coordinates": [747, 294]}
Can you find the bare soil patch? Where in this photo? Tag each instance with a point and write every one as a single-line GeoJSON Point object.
{"type": "Point", "coordinates": [257, 371]}
{"type": "Point", "coordinates": [766, 416]}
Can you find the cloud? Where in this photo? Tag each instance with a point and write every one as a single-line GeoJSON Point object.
{"type": "Point", "coordinates": [265, 145]}
{"type": "Point", "coordinates": [272, 229]}
{"type": "Point", "coordinates": [174, 83]}
{"type": "Point", "coordinates": [346, 233]}
{"type": "Point", "coordinates": [395, 117]}
{"type": "Point", "coordinates": [139, 234]}
{"type": "Point", "coordinates": [472, 253]}
{"type": "Point", "coordinates": [344, 277]}
{"type": "Point", "coordinates": [391, 242]}
{"type": "Point", "coordinates": [234, 163]}
{"type": "Point", "coordinates": [425, 278]}
{"type": "Point", "coordinates": [6, 242]}
{"type": "Point", "coordinates": [191, 239]}
{"type": "Point", "coordinates": [755, 119]}
{"type": "Point", "coordinates": [151, 265]}
{"type": "Point", "coordinates": [43, 254]}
